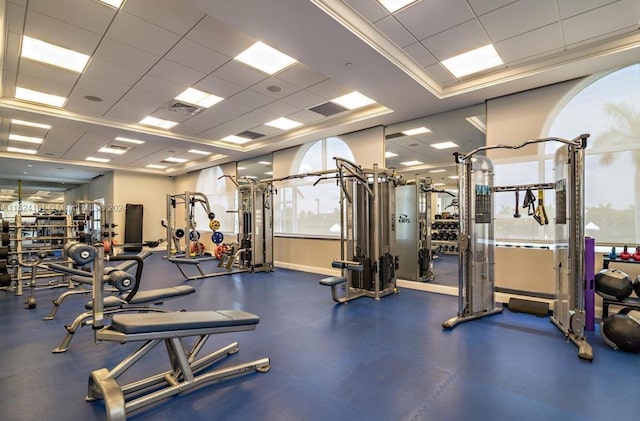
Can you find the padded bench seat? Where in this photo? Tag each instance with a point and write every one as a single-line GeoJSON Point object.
{"type": "Point", "coordinates": [333, 280]}
{"type": "Point", "coordinates": [146, 297]}
{"type": "Point", "coordinates": [163, 322]}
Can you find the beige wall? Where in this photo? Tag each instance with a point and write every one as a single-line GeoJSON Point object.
{"type": "Point", "coordinates": [147, 190]}
{"type": "Point", "coordinates": [308, 255]}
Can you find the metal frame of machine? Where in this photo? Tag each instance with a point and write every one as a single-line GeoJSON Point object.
{"type": "Point", "coordinates": [476, 296]}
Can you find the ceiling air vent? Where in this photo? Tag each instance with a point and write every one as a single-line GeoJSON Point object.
{"type": "Point", "coordinates": [182, 108]}
{"type": "Point", "coordinates": [327, 109]}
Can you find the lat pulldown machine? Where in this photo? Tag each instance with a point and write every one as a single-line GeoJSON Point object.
{"type": "Point", "coordinates": [476, 296]}
{"type": "Point", "coordinates": [368, 258]}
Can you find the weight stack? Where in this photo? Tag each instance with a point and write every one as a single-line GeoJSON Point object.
{"type": "Point", "coordinates": [537, 308]}
{"type": "Point", "coordinates": [133, 227]}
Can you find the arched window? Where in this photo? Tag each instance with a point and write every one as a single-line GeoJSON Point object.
{"type": "Point", "coordinates": [608, 108]}
{"type": "Point", "coordinates": [307, 210]}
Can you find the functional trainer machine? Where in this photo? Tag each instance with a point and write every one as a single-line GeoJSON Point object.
{"type": "Point", "coordinates": [368, 258]}
{"type": "Point", "coordinates": [186, 371]}
{"type": "Point", "coordinates": [476, 296]}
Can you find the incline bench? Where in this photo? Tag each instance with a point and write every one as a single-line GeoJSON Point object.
{"type": "Point", "coordinates": [170, 328]}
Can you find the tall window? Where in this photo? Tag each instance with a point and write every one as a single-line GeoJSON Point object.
{"type": "Point", "coordinates": [303, 208]}
{"type": "Point", "coordinates": [221, 193]}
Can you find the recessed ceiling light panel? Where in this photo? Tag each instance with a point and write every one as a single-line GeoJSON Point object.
{"type": "Point", "coordinates": [236, 139]}
{"type": "Point", "coordinates": [416, 131]}
{"type": "Point", "coordinates": [39, 97]}
{"type": "Point", "coordinates": [156, 167]}
{"type": "Point", "coordinates": [390, 154]}
{"type": "Point", "coordinates": [20, 150]}
{"type": "Point", "coordinates": [114, 151]}
{"type": "Point", "coordinates": [199, 152]}
{"type": "Point", "coordinates": [353, 100]}
{"type": "Point", "coordinates": [128, 140]}
{"type": "Point", "coordinates": [473, 61]}
{"type": "Point", "coordinates": [444, 145]}
{"type": "Point", "coordinates": [265, 58]}
{"type": "Point", "coordinates": [95, 159]}
{"type": "Point", "coordinates": [411, 163]}
{"type": "Point", "coordinates": [30, 124]}
{"type": "Point", "coordinates": [199, 98]}
{"type": "Point", "coordinates": [175, 160]}
{"type": "Point", "coordinates": [158, 122]}
{"type": "Point", "coordinates": [283, 123]}
{"type": "Point", "coordinates": [27, 139]}
{"type": "Point", "coordinates": [395, 5]}
{"type": "Point", "coordinates": [54, 55]}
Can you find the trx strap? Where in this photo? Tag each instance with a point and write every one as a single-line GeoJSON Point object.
{"type": "Point", "coordinates": [529, 202]}
{"type": "Point", "coordinates": [541, 214]}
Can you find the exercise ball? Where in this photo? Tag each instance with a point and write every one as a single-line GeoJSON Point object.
{"type": "Point", "coordinates": [622, 332]}
{"type": "Point", "coordinates": [614, 282]}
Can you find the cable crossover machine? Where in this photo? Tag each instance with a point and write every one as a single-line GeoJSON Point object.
{"type": "Point", "coordinates": [476, 296]}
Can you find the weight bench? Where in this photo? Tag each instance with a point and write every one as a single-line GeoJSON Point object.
{"type": "Point", "coordinates": [170, 328]}
{"type": "Point", "coordinates": [142, 301]}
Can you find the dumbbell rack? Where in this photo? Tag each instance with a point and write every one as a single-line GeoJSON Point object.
{"type": "Point", "coordinates": [42, 231]}
{"type": "Point", "coordinates": [445, 227]}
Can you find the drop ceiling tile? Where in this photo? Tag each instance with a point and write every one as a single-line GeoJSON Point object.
{"type": "Point", "coordinates": [305, 116]}
{"type": "Point", "coordinates": [395, 32]}
{"type": "Point", "coordinates": [135, 105]}
{"type": "Point", "coordinates": [125, 55]}
{"type": "Point", "coordinates": [196, 56]}
{"type": "Point", "coordinates": [109, 91]}
{"type": "Point", "coordinates": [266, 130]}
{"type": "Point", "coordinates": [140, 34]}
{"type": "Point", "coordinates": [609, 19]}
{"type": "Point", "coordinates": [163, 88]}
{"type": "Point", "coordinates": [220, 37]}
{"type": "Point", "coordinates": [44, 78]}
{"type": "Point", "coordinates": [15, 17]}
{"type": "Point", "coordinates": [460, 39]}
{"type": "Point", "coordinates": [204, 121]}
{"type": "Point", "coordinates": [168, 14]}
{"type": "Point", "coordinates": [301, 76]}
{"type": "Point", "coordinates": [544, 40]}
{"type": "Point", "coordinates": [568, 8]}
{"type": "Point", "coordinates": [303, 99]}
{"type": "Point", "coordinates": [329, 89]}
{"type": "Point", "coordinates": [239, 74]}
{"type": "Point", "coordinates": [427, 18]}
{"type": "Point", "coordinates": [370, 10]}
{"type": "Point", "coordinates": [439, 73]}
{"type": "Point", "coordinates": [420, 54]}
{"type": "Point", "coordinates": [218, 87]}
{"type": "Point", "coordinates": [79, 104]}
{"type": "Point", "coordinates": [176, 73]}
{"type": "Point", "coordinates": [252, 119]}
{"type": "Point", "coordinates": [481, 7]}
{"type": "Point", "coordinates": [231, 108]}
{"type": "Point", "coordinates": [59, 33]}
{"type": "Point", "coordinates": [106, 70]}
{"type": "Point", "coordinates": [279, 109]}
{"type": "Point", "coordinates": [19, 2]}
{"type": "Point", "coordinates": [267, 87]}
{"type": "Point", "coordinates": [89, 15]}
{"type": "Point", "coordinates": [250, 98]}
{"type": "Point", "coordinates": [518, 18]}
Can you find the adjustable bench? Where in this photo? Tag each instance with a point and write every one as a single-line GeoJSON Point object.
{"type": "Point", "coordinates": [170, 328]}
{"type": "Point", "coordinates": [142, 301]}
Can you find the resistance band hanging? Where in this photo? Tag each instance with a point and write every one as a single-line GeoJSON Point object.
{"type": "Point", "coordinates": [529, 202]}
{"type": "Point", "coordinates": [541, 214]}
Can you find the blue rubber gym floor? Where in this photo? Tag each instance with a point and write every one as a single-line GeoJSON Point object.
{"type": "Point", "coordinates": [366, 360]}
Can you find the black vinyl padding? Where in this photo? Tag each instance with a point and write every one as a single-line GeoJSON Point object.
{"type": "Point", "coordinates": [161, 322]}
{"type": "Point", "coordinates": [147, 297]}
